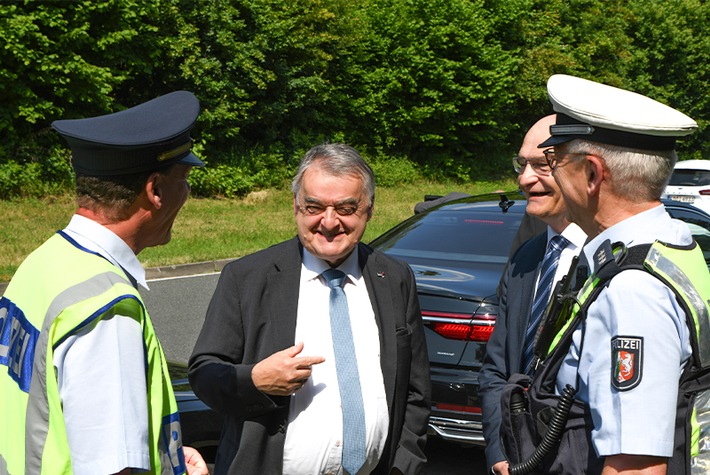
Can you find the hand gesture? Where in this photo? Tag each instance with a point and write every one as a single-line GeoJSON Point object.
{"type": "Point", "coordinates": [284, 372]}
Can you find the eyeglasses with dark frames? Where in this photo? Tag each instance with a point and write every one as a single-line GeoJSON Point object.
{"type": "Point", "coordinates": [538, 165]}
{"type": "Point", "coordinates": [313, 209]}
{"type": "Point", "coordinates": [553, 158]}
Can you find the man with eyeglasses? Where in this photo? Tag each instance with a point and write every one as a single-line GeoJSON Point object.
{"type": "Point", "coordinates": [509, 349]}
{"type": "Point", "coordinates": [272, 356]}
{"type": "Point", "coordinates": [632, 356]}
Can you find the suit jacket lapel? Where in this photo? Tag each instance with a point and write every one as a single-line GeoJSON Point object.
{"type": "Point", "coordinates": [283, 284]}
{"type": "Point", "coordinates": [381, 288]}
{"type": "Point", "coordinates": [534, 257]}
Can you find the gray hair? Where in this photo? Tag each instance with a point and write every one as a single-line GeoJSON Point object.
{"type": "Point", "coordinates": [336, 159]}
{"type": "Point", "coordinates": [638, 175]}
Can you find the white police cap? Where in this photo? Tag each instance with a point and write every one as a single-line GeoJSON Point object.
{"type": "Point", "coordinates": [146, 137]}
{"type": "Point", "coordinates": [597, 112]}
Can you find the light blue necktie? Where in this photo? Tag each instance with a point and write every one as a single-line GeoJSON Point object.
{"type": "Point", "coordinates": [348, 377]}
{"type": "Point", "coordinates": [542, 296]}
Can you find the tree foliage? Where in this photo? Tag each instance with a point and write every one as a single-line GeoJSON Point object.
{"type": "Point", "coordinates": [65, 59]}
{"type": "Point", "coordinates": [431, 80]}
{"type": "Point", "coordinates": [448, 86]}
{"type": "Point", "coordinates": [655, 48]}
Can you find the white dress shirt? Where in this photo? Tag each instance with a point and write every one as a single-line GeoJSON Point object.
{"type": "Point", "coordinates": [101, 374]}
{"type": "Point", "coordinates": [576, 238]}
{"type": "Point", "coordinates": [315, 431]}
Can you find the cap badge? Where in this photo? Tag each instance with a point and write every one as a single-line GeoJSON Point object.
{"type": "Point", "coordinates": [167, 155]}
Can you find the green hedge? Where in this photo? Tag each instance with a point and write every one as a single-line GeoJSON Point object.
{"type": "Point", "coordinates": [440, 88]}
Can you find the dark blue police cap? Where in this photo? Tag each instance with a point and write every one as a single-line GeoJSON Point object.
{"type": "Point", "coordinates": [143, 138]}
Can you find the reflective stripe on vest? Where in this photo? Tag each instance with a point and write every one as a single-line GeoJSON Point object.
{"type": "Point", "coordinates": [687, 274]}
{"type": "Point", "coordinates": [672, 274]}
{"type": "Point", "coordinates": [37, 417]}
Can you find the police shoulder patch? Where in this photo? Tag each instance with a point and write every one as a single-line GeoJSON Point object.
{"type": "Point", "coordinates": [627, 362]}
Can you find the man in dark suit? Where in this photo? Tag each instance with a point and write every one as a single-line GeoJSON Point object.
{"type": "Point", "coordinates": [267, 361]}
{"type": "Point", "coordinates": [505, 351]}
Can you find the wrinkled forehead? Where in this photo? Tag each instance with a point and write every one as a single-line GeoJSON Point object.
{"type": "Point", "coordinates": [328, 187]}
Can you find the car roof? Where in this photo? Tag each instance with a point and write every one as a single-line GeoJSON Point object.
{"type": "Point", "coordinates": [670, 203]}
{"type": "Point", "coordinates": [692, 164]}
{"type": "Point", "coordinates": [505, 200]}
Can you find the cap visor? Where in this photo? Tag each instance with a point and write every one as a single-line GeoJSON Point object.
{"type": "Point", "coordinates": [556, 140]}
{"type": "Point", "coordinates": [191, 159]}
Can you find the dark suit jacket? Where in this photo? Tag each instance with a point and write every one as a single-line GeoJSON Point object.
{"type": "Point", "coordinates": [253, 315]}
{"type": "Point", "coordinates": [530, 226]}
{"type": "Point", "coordinates": [505, 347]}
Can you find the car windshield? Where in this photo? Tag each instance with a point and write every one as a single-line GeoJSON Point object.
{"type": "Point", "coordinates": [462, 234]}
{"type": "Point", "coordinates": [690, 178]}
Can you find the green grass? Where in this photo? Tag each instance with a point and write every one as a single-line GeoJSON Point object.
{"type": "Point", "coordinates": [211, 229]}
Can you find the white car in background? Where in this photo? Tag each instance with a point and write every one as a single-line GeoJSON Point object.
{"type": "Point", "coordinates": [690, 183]}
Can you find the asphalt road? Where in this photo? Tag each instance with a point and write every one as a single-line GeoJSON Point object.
{"type": "Point", "coordinates": [177, 306]}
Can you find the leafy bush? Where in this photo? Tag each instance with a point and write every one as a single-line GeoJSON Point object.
{"type": "Point", "coordinates": [220, 181]}
{"type": "Point", "coordinates": [393, 171]}
{"type": "Point", "coordinates": [440, 167]}
{"type": "Point", "coordinates": [35, 169]}
{"type": "Point", "coordinates": [240, 172]}
{"type": "Point", "coordinates": [14, 179]}
{"type": "Point", "coordinates": [29, 180]}
{"type": "Point", "coordinates": [448, 85]}
{"type": "Point", "coordinates": [265, 168]}
{"type": "Point", "coordinates": [431, 79]}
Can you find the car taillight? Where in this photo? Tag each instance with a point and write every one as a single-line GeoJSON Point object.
{"type": "Point", "coordinates": [461, 326]}
{"type": "Point", "coordinates": [457, 407]}
{"type": "Point", "coordinates": [705, 192]}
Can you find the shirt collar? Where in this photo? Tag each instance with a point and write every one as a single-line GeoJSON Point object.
{"type": "Point", "coordinates": [106, 243]}
{"type": "Point", "coordinates": [642, 228]}
{"type": "Point", "coordinates": [314, 267]}
{"type": "Point", "coordinates": [572, 233]}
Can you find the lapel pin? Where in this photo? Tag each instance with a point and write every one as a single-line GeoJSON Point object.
{"type": "Point", "coordinates": [381, 275]}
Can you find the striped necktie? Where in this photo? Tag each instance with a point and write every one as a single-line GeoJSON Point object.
{"type": "Point", "coordinates": [542, 296]}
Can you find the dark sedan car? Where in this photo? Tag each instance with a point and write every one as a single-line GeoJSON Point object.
{"type": "Point", "coordinates": [458, 251]}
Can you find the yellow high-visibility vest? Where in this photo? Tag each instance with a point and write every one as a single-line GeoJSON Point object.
{"type": "Point", "coordinates": [59, 290]}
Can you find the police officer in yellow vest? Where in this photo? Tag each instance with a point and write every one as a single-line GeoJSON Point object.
{"type": "Point", "coordinates": [626, 365]}
{"type": "Point", "coordinates": [85, 387]}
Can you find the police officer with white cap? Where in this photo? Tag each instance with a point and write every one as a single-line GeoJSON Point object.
{"type": "Point", "coordinates": [86, 388]}
{"type": "Point", "coordinates": [628, 353]}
